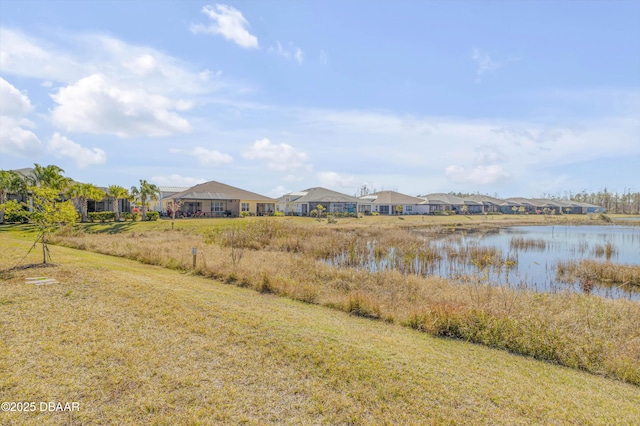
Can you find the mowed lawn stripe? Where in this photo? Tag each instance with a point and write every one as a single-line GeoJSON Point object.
{"type": "Point", "coordinates": [138, 344]}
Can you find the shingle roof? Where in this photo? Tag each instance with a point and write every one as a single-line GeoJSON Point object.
{"type": "Point", "coordinates": [485, 199]}
{"type": "Point", "coordinates": [325, 195]}
{"type": "Point", "coordinates": [390, 197]}
{"type": "Point", "coordinates": [441, 198]}
{"type": "Point", "coordinates": [219, 191]}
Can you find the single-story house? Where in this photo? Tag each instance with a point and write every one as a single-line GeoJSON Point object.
{"type": "Point", "coordinates": [301, 203]}
{"type": "Point", "coordinates": [388, 202]}
{"type": "Point", "coordinates": [489, 204]}
{"type": "Point", "coordinates": [530, 206]}
{"type": "Point", "coordinates": [218, 199]}
{"type": "Point", "coordinates": [443, 202]}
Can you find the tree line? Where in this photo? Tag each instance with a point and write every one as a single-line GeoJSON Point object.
{"type": "Point", "coordinates": [52, 177]}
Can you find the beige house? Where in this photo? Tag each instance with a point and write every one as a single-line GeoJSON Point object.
{"type": "Point", "coordinates": [391, 203]}
{"type": "Point", "coordinates": [214, 199]}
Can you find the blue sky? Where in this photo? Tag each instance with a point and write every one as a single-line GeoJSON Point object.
{"type": "Point", "coordinates": [514, 98]}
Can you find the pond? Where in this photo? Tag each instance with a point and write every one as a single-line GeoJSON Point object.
{"type": "Point", "coordinates": [520, 257]}
{"type": "Point", "coordinates": [537, 250]}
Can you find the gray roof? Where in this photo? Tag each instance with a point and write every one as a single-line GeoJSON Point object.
{"type": "Point", "coordinates": [390, 197]}
{"type": "Point", "coordinates": [485, 199]}
{"type": "Point", "coordinates": [441, 198]}
{"type": "Point", "coordinates": [320, 195]}
{"type": "Point", "coordinates": [219, 191]}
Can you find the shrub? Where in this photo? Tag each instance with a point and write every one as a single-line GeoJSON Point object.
{"type": "Point", "coordinates": [153, 216]}
{"type": "Point", "coordinates": [101, 216]}
{"type": "Point", "coordinates": [15, 213]}
{"type": "Point", "coordinates": [278, 214]}
{"type": "Point", "coordinates": [244, 214]}
{"type": "Point", "coordinates": [375, 214]}
{"type": "Point", "coordinates": [129, 216]}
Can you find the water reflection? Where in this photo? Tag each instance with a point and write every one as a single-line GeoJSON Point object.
{"type": "Point", "coordinates": [522, 257]}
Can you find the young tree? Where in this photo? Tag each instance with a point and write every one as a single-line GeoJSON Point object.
{"type": "Point", "coordinates": [399, 209]}
{"type": "Point", "coordinates": [116, 193]}
{"type": "Point", "coordinates": [147, 191]}
{"type": "Point", "coordinates": [49, 214]}
{"type": "Point", "coordinates": [320, 208]}
{"type": "Point", "coordinates": [83, 192]}
{"type": "Point", "coordinates": [175, 206]}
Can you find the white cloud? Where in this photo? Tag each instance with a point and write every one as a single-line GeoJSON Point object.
{"type": "Point", "coordinates": [292, 52]}
{"type": "Point", "coordinates": [61, 146]}
{"type": "Point", "coordinates": [486, 63]}
{"type": "Point", "coordinates": [176, 180]}
{"type": "Point", "coordinates": [279, 157]}
{"type": "Point", "coordinates": [229, 23]}
{"type": "Point", "coordinates": [335, 180]}
{"type": "Point", "coordinates": [211, 157]}
{"type": "Point", "coordinates": [14, 138]}
{"type": "Point", "coordinates": [14, 103]}
{"type": "Point", "coordinates": [278, 191]}
{"type": "Point", "coordinates": [96, 105]}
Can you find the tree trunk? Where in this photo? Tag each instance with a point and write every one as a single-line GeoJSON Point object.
{"type": "Point", "coordinates": [143, 200]}
{"type": "Point", "coordinates": [44, 248]}
{"type": "Point", "coordinates": [84, 207]}
{"type": "Point", "coordinates": [116, 210]}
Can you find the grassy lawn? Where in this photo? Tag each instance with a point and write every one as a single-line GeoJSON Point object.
{"type": "Point", "coordinates": [139, 344]}
{"type": "Point", "coordinates": [408, 220]}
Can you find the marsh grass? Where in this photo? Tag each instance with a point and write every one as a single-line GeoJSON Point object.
{"type": "Point", "coordinates": [601, 271]}
{"type": "Point", "coordinates": [521, 243]}
{"type": "Point", "coordinates": [285, 258]}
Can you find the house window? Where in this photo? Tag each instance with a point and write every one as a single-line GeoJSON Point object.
{"type": "Point", "coordinates": [383, 209]}
{"type": "Point", "coordinates": [408, 209]}
{"type": "Point", "coordinates": [245, 207]}
{"type": "Point", "coordinates": [217, 206]}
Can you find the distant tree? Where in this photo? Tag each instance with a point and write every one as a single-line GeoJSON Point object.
{"type": "Point", "coordinates": [49, 214]}
{"type": "Point", "coordinates": [116, 193]}
{"type": "Point", "coordinates": [320, 209]}
{"type": "Point", "coordinates": [514, 209]}
{"type": "Point", "coordinates": [464, 209]}
{"type": "Point", "coordinates": [10, 181]}
{"type": "Point", "coordinates": [84, 192]}
{"type": "Point", "coordinates": [521, 210]}
{"type": "Point", "coordinates": [146, 191]}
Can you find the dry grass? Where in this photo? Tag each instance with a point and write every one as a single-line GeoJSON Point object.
{"type": "Point", "coordinates": [581, 331]}
{"type": "Point", "coordinates": [138, 344]}
{"type": "Point", "coordinates": [590, 271]}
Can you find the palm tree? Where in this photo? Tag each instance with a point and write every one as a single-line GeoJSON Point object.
{"type": "Point", "coordinates": [146, 191]}
{"type": "Point", "coordinates": [48, 176]}
{"type": "Point", "coordinates": [117, 192]}
{"type": "Point", "coordinates": [10, 181]}
{"type": "Point", "coordinates": [83, 192]}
